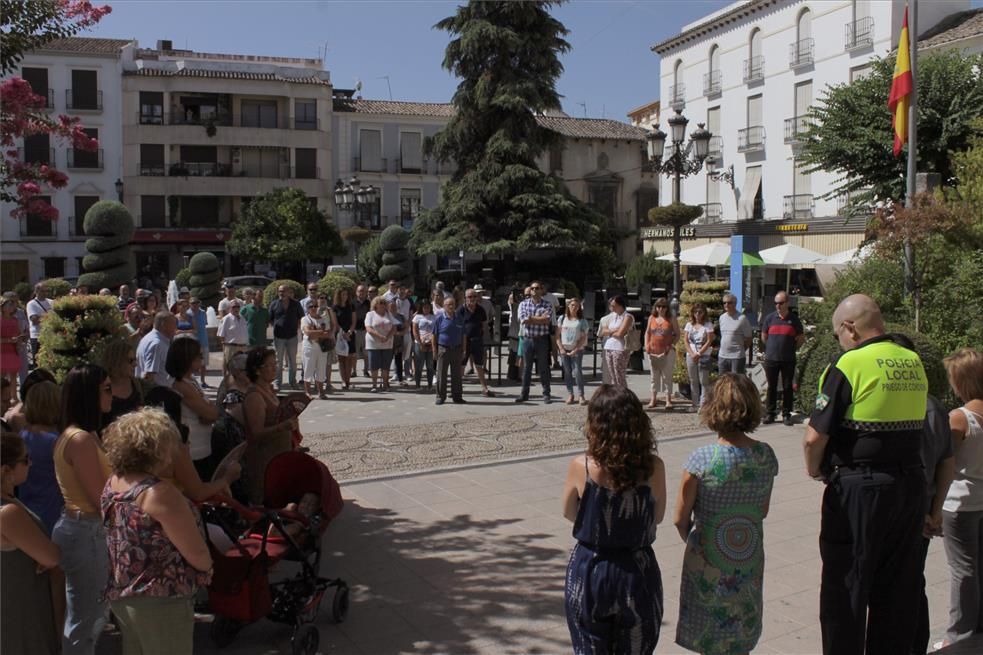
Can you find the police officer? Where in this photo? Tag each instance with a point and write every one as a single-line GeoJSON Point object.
{"type": "Point", "coordinates": [864, 441]}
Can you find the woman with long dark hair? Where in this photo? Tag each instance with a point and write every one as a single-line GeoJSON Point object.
{"type": "Point", "coordinates": [615, 494]}
{"type": "Point", "coordinates": [615, 332]}
{"type": "Point", "coordinates": [345, 313]}
{"type": "Point", "coordinates": [266, 437]}
{"type": "Point", "coordinates": [82, 469]}
{"type": "Point", "coordinates": [197, 412]}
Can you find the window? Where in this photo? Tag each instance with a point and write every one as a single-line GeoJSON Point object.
{"type": "Point", "coordinates": [556, 156]}
{"type": "Point", "coordinates": [712, 80]}
{"type": "Point", "coordinates": [754, 107]}
{"type": "Point", "coordinates": [678, 90]}
{"type": "Point", "coordinates": [196, 109]}
{"type": "Point", "coordinates": [305, 114]}
{"type": "Point", "coordinates": [370, 150]}
{"type": "Point", "coordinates": [754, 65]}
{"type": "Point", "coordinates": [262, 162]}
{"type": "Point", "coordinates": [802, 50]}
{"type": "Point", "coordinates": [86, 158]}
{"type": "Point", "coordinates": [151, 159]}
{"type": "Point", "coordinates": [803, 103]}
{"type": "Point", "coordinates": [803, 27]}
{"type": "Point", "coordinates": [750, 205]}
{"type": "Point", "coordinates": [860, 72]}
{"type": "Point", "coordinates": [84, 93]}
{"type": "Point", "coordinates": [371, 216]}
{"type": "Point", "coordinates": [36, 226]}
{"type": "Point", "coordinates": [305, 163]}
{"type": "Point", "coordinates": [602, 197]}
{"type": "Point", "coordinates": [409, 206]}
{"type": "Point", "coordinates": [716, 147]}
{"type": "Point", "coordinates": [38, 79]}
{"type": "Point", "coordinates": [860, 31]}
{"type": "Point", "coordinates": [648, 197]}
{"type": "Point", "coordinates": [258, 113]}
{"type": "Point", "coordinates": [82, 205]}
{"type": "Point", "coordinates": [411, 152]}
{"type": "Point", "coordinates": [152, 211]}
{"type": "Point", "coordinates": [37, 149]}
{"type": "Point", "coordinates": [801, 181]}
{"type": "Point", "coordinates": [199, 211]}
{"type": "Point", "coordinates": [53, 267]}
{"type": "Point", "coordinates": [151, 108]}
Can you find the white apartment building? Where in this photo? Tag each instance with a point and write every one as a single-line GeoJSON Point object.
{"type": "Point", "coordinates": [205, 132]}
{"type": "Point", "coordinates": [78, 77]}
{"type": "Point", "coordinates": [751, 72]}
{"type": "Point", "coordinates": [646, 116]}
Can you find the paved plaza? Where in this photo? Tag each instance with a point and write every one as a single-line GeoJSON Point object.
{"type": "Point", "coordinates": [467, 555]}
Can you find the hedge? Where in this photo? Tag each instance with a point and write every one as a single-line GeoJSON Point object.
{"type": "Point", "coordinates": [269, 293]}
{"type": "Point", "coordinates": [817, 353]}
{"type": "Point", "coordinates": [56, 287]}
{"type": "Point", "coordinates": [183, 278]}
{"type": "Point", "coordinates": [334, 281]}
{"type": "Point", "coordinates": [24, 291]}
{"type": "Point", "coordinates": [77, 331]}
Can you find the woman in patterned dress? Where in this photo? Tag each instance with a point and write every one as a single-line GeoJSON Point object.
{"type": "Point", "coordinates": [615, 494]}
{"type": "Point", "coordinates": [723, 498]}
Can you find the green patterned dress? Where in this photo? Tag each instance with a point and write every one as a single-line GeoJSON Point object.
{"type": "Point", "coordinates": [720, 600]}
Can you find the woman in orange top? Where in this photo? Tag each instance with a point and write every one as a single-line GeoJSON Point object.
{"type": "Point", "coordinates": [661, 336]}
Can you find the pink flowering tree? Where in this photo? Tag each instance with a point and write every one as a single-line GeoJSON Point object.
{"type": "Point", "coordinates": [27, 26]}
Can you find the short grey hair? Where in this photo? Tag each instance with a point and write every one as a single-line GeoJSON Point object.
{"type": "Point", "coordinates": [729, 296]}
{"type": "Point", "coordinates": [160, 318]}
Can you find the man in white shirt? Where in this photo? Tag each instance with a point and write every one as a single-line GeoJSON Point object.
{"type": "Point", "coordinates": [735, 337]}
{"type": "Point", "coordinates": [225, 303]}
{"type": "Point", "coordinates": [392, 292]}
{"type": "Point", "coordinates": [233, 333]}
{"type": "Point", "coordinates": [311, 297]}
{"type": "Point", "coordinates": [36, 309]}
{"type": "Point", "coordinates": [152, 351]}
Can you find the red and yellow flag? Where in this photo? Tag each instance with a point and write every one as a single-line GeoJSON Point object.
{"type": "Point", "coordinates": [901, 87]}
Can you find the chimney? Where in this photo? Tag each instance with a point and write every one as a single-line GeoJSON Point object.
{"type": "Point", "coordinates": [165, 45]}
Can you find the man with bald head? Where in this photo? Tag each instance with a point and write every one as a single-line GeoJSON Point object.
{"type": "Point", "coordinates": [864, 442]}
{"type": "Point", "coordinates": [782, 334]}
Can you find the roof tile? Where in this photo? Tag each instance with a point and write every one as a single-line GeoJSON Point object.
{"type": "Point", "coordinates": [227, 74]}
{"type": "Point", "coordinates": [85, 45]}
{"type": "Point", "coordinates": [954, 27]}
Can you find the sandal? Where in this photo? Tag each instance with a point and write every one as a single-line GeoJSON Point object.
{"type": "Point", "coordinates": [583, 401]}
{"type": "Point", "coordinates": [570, 400]}
{"type": "Point", "coordinates": [668, 407]}
{"type": "Point", "coordinates": [650, 406]}
{"type": "Point", "coordinates": [488, 393]}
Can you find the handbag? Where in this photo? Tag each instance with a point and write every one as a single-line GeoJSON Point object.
{"type": "Point", "coordinates": [341, 345]}
{"type": "Point", "coordinates": [633, 340]}
{"type": "Point", "coordinates": [327, 344]}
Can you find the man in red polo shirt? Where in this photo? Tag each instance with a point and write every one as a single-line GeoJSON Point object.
{"type": "Point", "coordinates": [782, 334]}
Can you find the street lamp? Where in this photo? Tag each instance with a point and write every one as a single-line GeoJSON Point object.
{"type": "Point", "coordinates": [355, 198]}
{"type": "Point", "coordinates": [119, 189]}
{"type": "Point", "coordinates": [683, 160]}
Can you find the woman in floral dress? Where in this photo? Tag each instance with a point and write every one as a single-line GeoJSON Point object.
{"type": "Point", "coordinates": [723, 499]}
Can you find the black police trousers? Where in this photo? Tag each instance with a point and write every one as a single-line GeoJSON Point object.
{"type": "Point", "coordinates": [869, 542]}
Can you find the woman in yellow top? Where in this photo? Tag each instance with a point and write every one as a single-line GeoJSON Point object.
{"type": "Point", "coordinates": [82, 469]}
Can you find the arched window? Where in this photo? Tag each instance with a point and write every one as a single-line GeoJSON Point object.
{"type": "Point", "coordinates": [712, 81]}
{"type": "Point", "coordinates": [678, 90]}
{"type": "Point", "coordinates": [754, 65]}
{"type": "Point", "coordinates": [754, 44]}
{"type": "Point", "coordinates": [804, 25]}
{"type": "Point", "coordinates": [803, 48]}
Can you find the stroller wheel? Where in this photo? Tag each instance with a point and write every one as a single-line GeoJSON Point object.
{"type": "Point", "coordinates": [224, 630]}
{"type": "Point", "coordinates": [339, 608]}
{"type": "Point", "coordinates": [305, 640]}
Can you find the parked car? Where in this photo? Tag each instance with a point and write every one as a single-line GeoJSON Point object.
{"type": "Point", "coordinates": [240, 281]}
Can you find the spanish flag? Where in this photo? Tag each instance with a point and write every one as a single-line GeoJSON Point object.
{"type": "Point", "coordinates": [901, 88]}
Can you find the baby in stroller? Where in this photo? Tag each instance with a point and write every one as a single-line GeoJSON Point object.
{"type": "Point", "coordinates": [308, 507]}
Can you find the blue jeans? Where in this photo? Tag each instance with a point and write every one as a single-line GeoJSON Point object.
{"type": "Point", "coordinates": [422, 359]}
{"type": "Point", "coordinates": [573, 371]}
{"type": "Point", "coordinates": [538, 347]}
{"type": "Point", "coordinates": [727, 365]}
{"type": "Point", "coordinates": [85, 560]}
{"type": "Point", "coordinates": [285, 349]}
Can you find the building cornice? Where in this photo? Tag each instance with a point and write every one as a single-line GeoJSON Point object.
{"type": "Point", "coordinates": [715, 23]}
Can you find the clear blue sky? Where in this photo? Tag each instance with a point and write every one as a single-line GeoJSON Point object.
{"type": "Point", "coordinates": [610, 67]}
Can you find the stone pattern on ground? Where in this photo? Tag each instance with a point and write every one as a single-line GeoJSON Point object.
{"type": "Point", "coordinates": [399, 449]}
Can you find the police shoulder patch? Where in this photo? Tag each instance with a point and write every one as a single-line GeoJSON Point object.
{"type": "Point", "coordinates": [821, 401]}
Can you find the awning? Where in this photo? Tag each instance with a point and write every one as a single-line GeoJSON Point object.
{"type": "Point", "coordinates": [752, 181]}
{"type": "Point", "coordinates": [790, 255]}
{"type": "Point", "coordinates": [709, 254]}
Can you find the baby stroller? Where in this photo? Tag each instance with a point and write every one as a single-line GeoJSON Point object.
{"type": "Point", "coordinates": [256, 539]}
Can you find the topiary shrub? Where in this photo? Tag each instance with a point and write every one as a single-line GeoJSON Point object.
{"type": "Point", "coordinates": [77, 331]}
{"type": "Point", "coordinates": [710, 294]}
{"type": "Point", "coordinates": [205, 278]}
{"type": "Point", "coordinates": [370, 261]}
{"type": "Point", "coordinates": [396, 258]}
{"type": "Point", "coordinates": [333, 282]}
{"type": "Point", "coordinates": [183, 278]}
{"type": "Point", "coordinates": [24, 291]}
{"type": "Point", "coordinates": [110, 228]}
{"type": "Point", "coordinates": [819, 351]}
{"type": "Point", "coordinates": [56, 287]}
{"type": "Point", "coordinates": [269, 293]}
{"type": "Point", "coordinates": [675, 214]}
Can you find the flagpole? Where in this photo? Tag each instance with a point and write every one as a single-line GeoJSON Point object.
{"type": "Point", "coordinates": [909, 254]}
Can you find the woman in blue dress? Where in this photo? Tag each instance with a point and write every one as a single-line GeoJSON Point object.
{"type": "Point", "coordinates": [723, 499]}
{"type": "Point", "coordinates": [615, 494]}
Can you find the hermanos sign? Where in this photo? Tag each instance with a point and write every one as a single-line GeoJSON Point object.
{"type": "Point", "coordinates": [665, 232]}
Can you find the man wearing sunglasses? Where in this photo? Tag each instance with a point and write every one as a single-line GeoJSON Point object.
{"type": "Point", "coordinates": [782, 334]}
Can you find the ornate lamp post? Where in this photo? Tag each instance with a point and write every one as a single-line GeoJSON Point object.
{"type": "Point", "coordinates": [119, 189]}
{"type": "Point", "coordinates": [683, 160]}
{"type": "Point", "coordinates": [355, 198]}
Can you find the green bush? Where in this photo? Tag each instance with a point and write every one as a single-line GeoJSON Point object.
{"type": "Point", "coordinates": [205, 263]}
{"type": "Point", "coordinates": [951, 311]}
{"type": "Point", "coordinates": [396, 257]}
{"type": "Point", "coordinates": [24, 291]}
{"type": "Point", "coordinates": [77, 331]}
{"type": "Point", "coordinates": [56, 287]}
{"type": "Point", "coordinates": [332, 282]}
{"type": "Point", "coordinates": [817, 353]}
{"type": "Point", "coordinates": [881, 279]}
{"type": "Point", "coordinates": [205, 278]}
{"type": "Point", "coordinates": [109, 263]}
{"type": "Point", "coordinates": [648, 269]}
{"type": "Point", "coordinates": [183, 278]}
{"type": "Point", "coordinates": [394, 237]}
{"type": "Point", "coordinates": [269, 293]}
{"type": "Point", "coordinates": [397, 261]}
{"type": "Point", "coordinates": [370, 261]}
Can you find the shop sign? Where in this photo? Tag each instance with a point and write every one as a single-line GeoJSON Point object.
{"type": "Point", "coordinates": [665, 232]}
{"type": "Point", "coordinates": [797, 227]}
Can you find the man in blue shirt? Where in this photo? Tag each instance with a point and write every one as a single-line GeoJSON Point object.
{"type": "Point", "coordinates": [536, 327]}
{"type": "Point", "coordinates": [285, 315]}
{"type": "Point", "coordinates": [475, 319]}
{"type": "Point", "coordinates": [152, 351]}
{"type": "Point", "coordinates": [448, 340]}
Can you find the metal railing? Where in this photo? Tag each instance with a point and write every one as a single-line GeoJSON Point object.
{"type": "Point", "coordinates": [305, 123]}
{"type": "Point", "coordinates": [715, 151]}
{"type": "Point", "coordinates": [712, 213]}
{"type": "Point", "coordinates": [795, 127]}
{"type": "Point", "coordinates": [801, 53]}
{"type": "Point", "coordinates": [859, 33]}
{"type": "Point", "coordinates": [76, 227]}
{"type": "Point", "coordinates": [152, 169]}
{"type": "Point", "coordinates": [383, 166]}
{"type": "Point", "coordinates": [85, 159]}
{"type": "Point", "coordinates": [144, 118]}
{"type": "Point", "coordinates": [847, 205]}
{"type": "Point", "coordinates": [799, 205]}
{"type": "Point", "coordinates": [35, 159]}
{"type": "Point", "coordinates": [85, 101]}
{"type": "Point", "coordinates": [199, 169]}
{"type": "Point", "coordinates": [184, 118]}
{"type": "Point", "coordinates": [751, 138]}
{"type": "Point", "coordinates": [712, 83]}
{"type": "Point", "coordinates": [37, 228]}
{"type": "Point", "coordinates": [400, 168]}
{"type": "Point", "coordinates": [677, 93]}
{"type": "Point", "coordinates": [49, 99]}
{"type": "Point", "coordinates": [754, 69]}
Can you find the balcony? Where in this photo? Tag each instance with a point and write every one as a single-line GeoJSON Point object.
{"type": "Point", "coordinates": [37, 156]}
{"type": "Point", "coordinates": [48, 97]}
{"type": "Point", "coordinates": [305, 123]}
{"type": "Point", "coordinates": [37, 228]}
{"type": "Point", "coordinates": [754, 69]}
{"type": "Point", "coordinates": [199, 169]}
{"type": "Point", "coordinates": [400, 168]}
{"type": "Point", "coordinates": [712, 83]}
{"type": "Point", "coordinates": [85, 101]}
{"type": "Point", "coordinates": [713, 212]}
{"type": "Point", "coordinates": [859, 34]}
{"type": "Point", "coordinates": [715, 151]}
{"type": "Point", "coordinates": [226, 120]}
{"type": "Point", "coordinates": [799, 205]}
{"type": "Point", "coordinates": [850, 205]}
{"type": "Point", "coordinates": [153, 170]}
{"type": "Point", "coordinates": [358, 166]}
{"type": "Point", "coordinates": [801, 53]}
{"type": "Point", "coordinates": [795, 128]}
{"type": "Point", "coordinates": [85, 159]}
{"type": "Point", "coordinates": [190, 118]}
{"type": "Point", "coordinates": [677, 95]}
{"type": "Point", "coordinates": [751, 139]}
